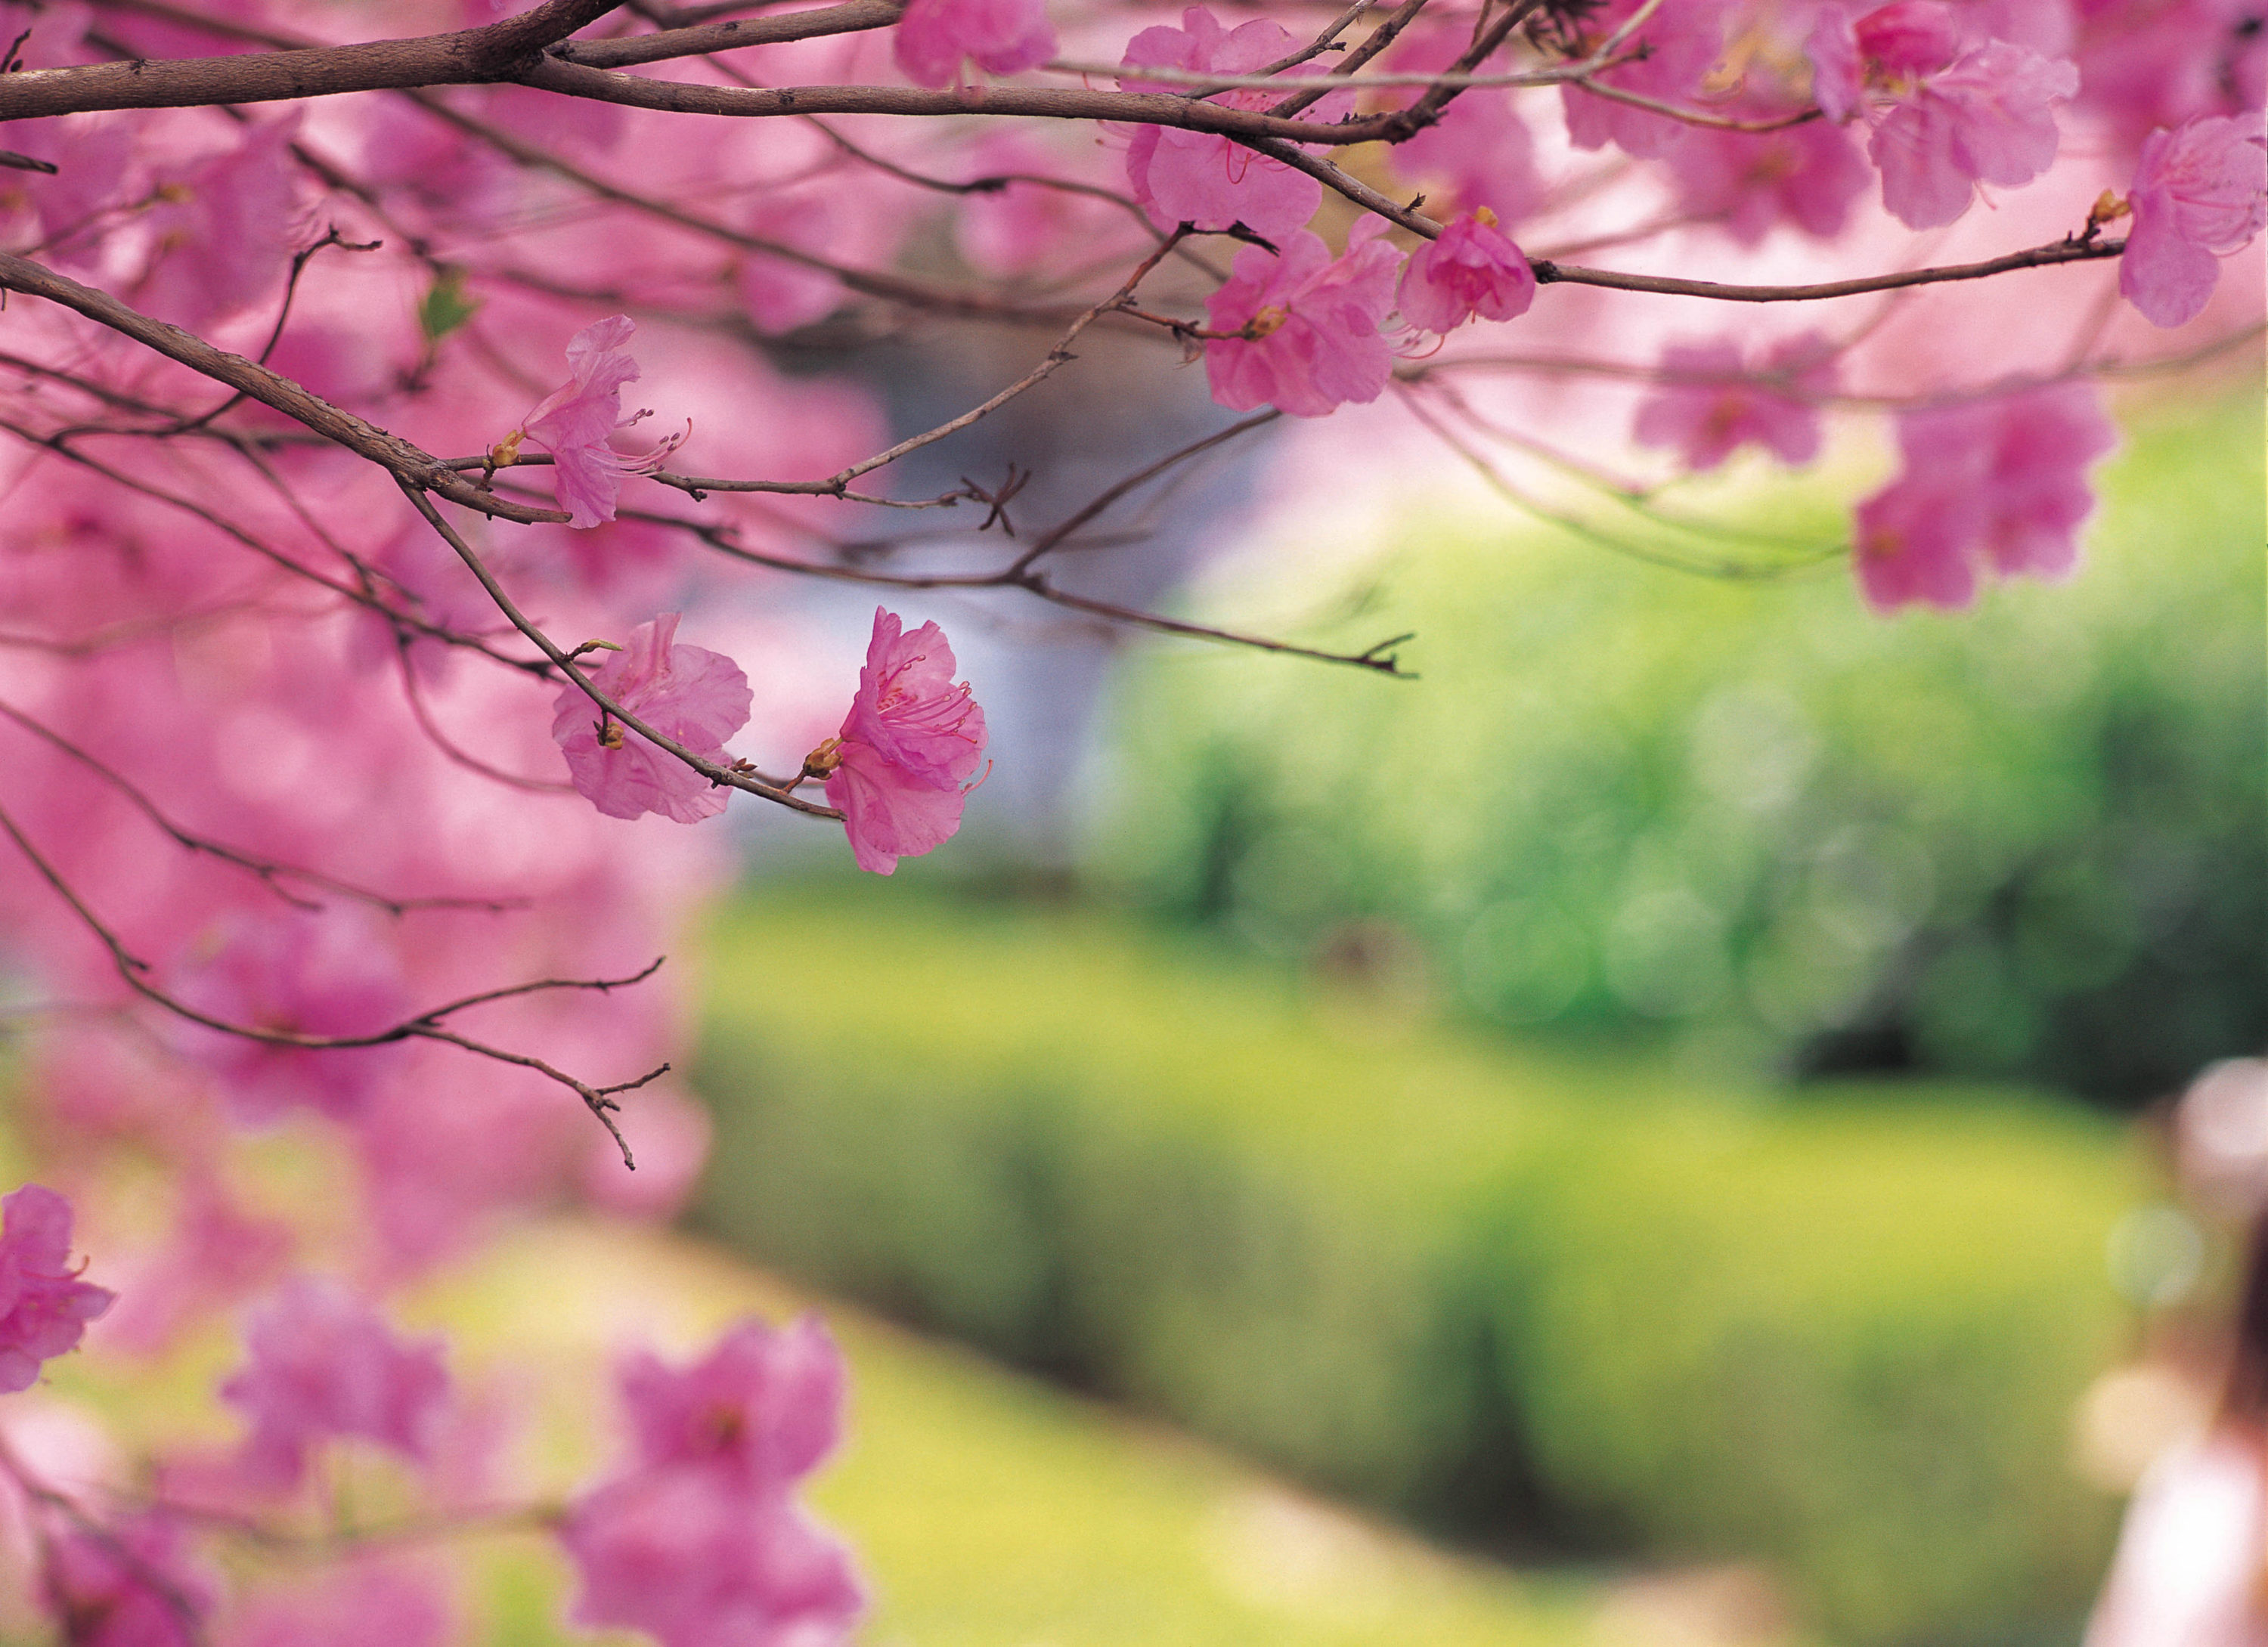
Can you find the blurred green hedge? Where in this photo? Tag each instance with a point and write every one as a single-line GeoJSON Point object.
{"type": "Point", "coordinates": [1521, 1297]}
{"type": "Point", "coordinates": [2029, 841]}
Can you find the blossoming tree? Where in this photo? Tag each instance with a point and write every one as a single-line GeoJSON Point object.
{"type": "Point", "coordinates": [320, 804]}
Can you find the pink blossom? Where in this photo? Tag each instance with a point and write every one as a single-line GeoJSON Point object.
{"type": "Point", "coordinates": [1806, 175]}
{"type": "Point", "coordinates": [1944, 118]}
{"type": "Point", "coordinates": [934, 37]}
{"type": "Point", "coordinates": [912, 737]}
{"type": "Point", "coordinates": [765, 1404]}
{"type": "Point", "coordinates": [574, 422]}
{"type": "Point", "coordinates": [1479, 152]}
{"type": "Point", "coordinates": [2200, 193]}
{"type": "Point", "coordinates": [132, 1585]}
{"type": "Point", "coordinates": [696, 697]}
{"type": "Point", "coordinates": [1473, 269]}
{"type": "Point", "coordinates": [324, 1363]}
{"type": "Point", "coordinates": [1712, 405]}
{"type": "Point", "coordinates": [44, 1306]}
{"type": "Point", "coordinates": [1677, 47]}
{"type": "Point", "coordinates": [222, 229]}
{"type": "Point", "coordinates": [2002, 482]}
{"type": "Point", "coordinates": [328, 975]}
{"type": "Point", "coordinates": [1315, 322]}
{"type": "Point", "coordinates": [699, 1539]}
{"type": "Point", "coordinates": [1198, 177]}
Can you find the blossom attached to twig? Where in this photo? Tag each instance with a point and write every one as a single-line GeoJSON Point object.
{"type": "Point", "coordinates": [1945, 116]}
{"type": "Point", "coordinates": [689, 694]}
{"type": "Point", "coordinates": [1312, 325]}
{"type": "Point", "coordinates": [899, 768]}
{"type": "Point", "coordinates": [1472, 271]}
{"type": "Point", "coordinates": [2200, 192]}
{"type": "Point", "coordinates": [575, 422]}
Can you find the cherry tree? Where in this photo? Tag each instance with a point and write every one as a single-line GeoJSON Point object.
{"type": "Point", "coordinates": [336, 674]}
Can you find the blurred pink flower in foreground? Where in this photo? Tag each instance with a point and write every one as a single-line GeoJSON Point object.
{"type": "Point", "coordinates": [935, 37]}
{"type": "Point", "coordinates": [1945, 119]}
{"type": "Point", "coordinates": [2200, 192]}
{"type": "Point", "coordinates": [1707, 422]}
{"type": "Point", "coordinates": [362, 1603]}
{"type": "Point", "coordinates": [690, 693]}
{"type": "Point", "coordinates": [912, 737]}
{"type": "Point", "coordinates": [325, 1363]}
{"type": "Point", "coordinates": [700, 1542]}
{"type": "Point", "coordinates": [44, 1306]}
{"type": "Point", "coordinates": [575, 421]}
{"type": "Point", "coordinates": [1473, 270]}
{"type": "Point", "coordinates": [1315, 320]}
{"type": "Point", "coordinates": [2002, 481]}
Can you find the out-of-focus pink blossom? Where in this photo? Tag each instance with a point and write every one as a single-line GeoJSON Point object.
{"type": "Point", "coordinates": [214, 1254]}
{"type": "Point", "coordinates": [1999, 482]}
{"type": "Point", "coordinates": [363, 1603]}
{"type": "Point", "coordinates": [2200, 193]}
{"type": "Point", "coordinates": [575, 422]}
{"type": "Point", "coordinates": [1315, 321]}
{"type": "Point", "coordinates": [131, 1584]}
{"type": "Point", "coordinates": [327, 975]}
{"type": "Point", "coordinates": [1674, 52]}
{"type": "Point", "coordinates": [935, 37]}
{"type": "Point", "coordinates": [1944, 118]}
{"type": "Point", "coordinates": [1203, 179]}
{"type": "Point", "coordinates": [690, 1557]}
{"type": "Point", "coordinates": [1472, 269]}
{"type": "Point", "coordinates": [1806, 175]}
{"type": "Point", "coordinates": [911, 739]}
{"type": "Point", "coordinates": [765, 1405]}
{"type": "Point", "coordinates": [222, 229]}
{"type": "Point", "coordinates": [1711, 405]}
{"type": "Point", "coordinates": [697, 697]}
{"type": "Point", "coordinates": [324, 1363]}
{"type": "Point", "coordinates": [1479, 152]}
{"type": "Point", "coordinates": [44, 1306]}
{"type": "Point", "coordinates": [699, 1541]}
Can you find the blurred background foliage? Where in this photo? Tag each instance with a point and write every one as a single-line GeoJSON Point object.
{"type": "Point", "coordinates": [2026, 841]}
{"type": "Point", "coordinates": [1563, 1306]}
{"type": "Point", "coordinates": [1608, 1100]}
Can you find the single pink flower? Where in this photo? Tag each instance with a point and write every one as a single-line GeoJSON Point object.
{"type": "Point", "coordinates": [2200, 192]}
{"type": "Point", "coordinates": [324, 1363]}
{"type": "Point", "coordinates": [1202, 179]}
{"type": "Point", "coordinates": [2000, 483]}
{"type": "Point", "coordinates": [690, 693]}
{"type": "Point", "coordinates": [1472, 270]}
{"type": "Point", "coordinates": [575, 422]}
{"type": "Point", "coordinates": [44, 1306]}
{"type": "Point", "coordinates": [1714, 405]}
{"type": "Point", "coordinates": [1749, 182]}
{"type": "Point", "coordinates": [766, 1404]}
{"type": "Point", "coordinates": [934, 38]}
{"type": "Point", "coordinates": [699, 1541]}
{"type": "Point", "coordinates": [1945, 119]}
{"type": "Point", "coordinates": [912, 737]}
{"type": "Point", "coordinates": [1315, 321]}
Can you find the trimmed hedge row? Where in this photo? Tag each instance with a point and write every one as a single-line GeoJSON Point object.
{"type": "Point", "coordinates": [1512, 1295]}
